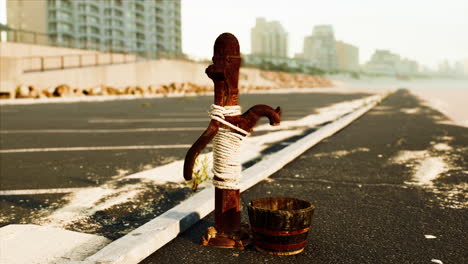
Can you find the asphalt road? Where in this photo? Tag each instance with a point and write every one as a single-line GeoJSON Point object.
{"type": "Point", "coordinates": [76, 145]}
{"type": "Point", "coordinates": [371, 205]}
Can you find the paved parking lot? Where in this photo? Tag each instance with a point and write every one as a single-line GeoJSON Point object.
{"type": "Point", "coordinates": [50, 150]}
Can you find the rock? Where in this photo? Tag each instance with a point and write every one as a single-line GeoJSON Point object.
{"type": "Point", "coordinates": [172, 87]}
{"type": "Point", "coordinates": [129, 90]}
{"type": "Point", "coordinates": [62, 90]}
{"type": "Point", "coordinates": [33, 92]}
{"type": "Point", "coordinates": [183, 87]}
{"type": "Point", "coordinates": [152, 89]}
{"type": "Point", "coordinates": [111, 90]}
{"type": "Point", "coordinates": [164, 89]}
{"type": "Point", "coordinates": [96, 91]}
{"type": "Point", "coordinates": [47, 93]}
{"type": "Point", "coordinates": [77, 92]}
{"type": "Point", "coordinates": [139, 90]}
{"type": "Point", "coordinates": [5, 95]}
{"type": "Point", "coordinates": [22, 91]}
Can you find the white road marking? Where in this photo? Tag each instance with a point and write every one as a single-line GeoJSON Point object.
{"type": "Point", "coordinates": [125, 130]}
{"type": "Point", "coordinates": [152, 120]}
{"type": "Point", "coordinates": [45, 244]}
{"type": "Point", "coordinates": [41, 191]}
{"type": "Point", "coordinates": [183, 146]}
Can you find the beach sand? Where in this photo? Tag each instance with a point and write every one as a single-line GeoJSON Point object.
{"type": "Point", "coordinates": [445, 95]}
{"type": "Point", "coordinates": [451, 102]}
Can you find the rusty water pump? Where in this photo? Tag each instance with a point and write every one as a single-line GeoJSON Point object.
{"type": "Point", "coordinates": [227, 232]}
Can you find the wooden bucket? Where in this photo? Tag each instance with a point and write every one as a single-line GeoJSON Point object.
{"type": "Point", "coordinates": [280, 224]}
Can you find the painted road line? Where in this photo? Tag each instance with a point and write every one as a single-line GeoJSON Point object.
{"type": "Point", "coordinates": [180, 146]}
{"type": "Point", "coordinates": [126, 130]}
{"type": "Point", "coordinates": [42, 244]}
{"type": "Point", "coordinates": [41, 191]}
{"type": "Point", "coordinates": [143, 241]}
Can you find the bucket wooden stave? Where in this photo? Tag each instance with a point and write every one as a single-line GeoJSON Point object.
{"type": "Point", "coordinates": [280, 225]}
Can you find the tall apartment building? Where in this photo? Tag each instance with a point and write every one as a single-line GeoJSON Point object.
{"type": "Point", "coordinates": [347, 56]}
{"type": "Point", "coordinates": [320, 47]}
{"type": "Point", "coordinates": [269, 39]}
{"type": "Point", "coordinates": [147, 28]}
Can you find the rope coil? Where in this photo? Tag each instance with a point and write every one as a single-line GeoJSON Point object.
{"type": "Point", "coordinates": [226, 148]}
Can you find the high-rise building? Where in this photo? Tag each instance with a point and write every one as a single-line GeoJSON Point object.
{"type": "Point", "coordinates": [347, 56]}
{"type": "Point", "coordinates": [269, 39]}
{"type": "Point", "coordinates": [320, 47]}
{"type": "Point", "coordinates": [147, 28]}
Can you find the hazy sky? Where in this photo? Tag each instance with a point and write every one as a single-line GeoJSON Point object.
{"type": "Point", "coordinates": [425, 30]}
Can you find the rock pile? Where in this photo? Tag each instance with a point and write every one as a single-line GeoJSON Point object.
{"type": "Point", "coordinates": [249, 80]}
{"type": "Point", "coordinates": [64, 90]}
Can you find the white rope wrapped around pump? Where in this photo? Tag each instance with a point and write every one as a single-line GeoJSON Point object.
{"type": "Point", "coordinates": [226, 148]}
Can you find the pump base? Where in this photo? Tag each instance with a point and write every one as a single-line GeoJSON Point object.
{"type": "Point", "coordinates": [237, 239]}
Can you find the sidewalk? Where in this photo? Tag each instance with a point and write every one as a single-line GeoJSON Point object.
{"type": "Point", "coordinates": [389, 188]}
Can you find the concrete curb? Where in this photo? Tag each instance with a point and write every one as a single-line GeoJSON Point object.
{"type": "Point", "coordinates": [143, 241]}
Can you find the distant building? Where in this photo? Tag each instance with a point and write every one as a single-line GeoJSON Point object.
{"type": "Point", "coordinates": [382, 62]}
{"type": "Point", "coordinates": [459, 68]}
{"type": "Point", "coordinates": [465, 67]}
{"type": "Point", "coordinates": [320, 48]}
{"type": "Point", "coordinates": [444, 67]}
{"type": "Point", "coordinates": [387, 63]}
{"type": "Point", "coordinates": [147, 28]}
{"type": "Point", "coordinates": [269, 39]}
{"type": "Point", "coordinates": [407, 66]}
{"type": "Point", "coordinates": [347, 56]}
{"type": "Point", "coordinates": [452, 69]}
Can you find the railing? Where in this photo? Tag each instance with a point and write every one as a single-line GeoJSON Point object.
{"type": "Point", "coordinates": [113, 55]}
{"type": "Point", "coordinates": [30, 37]}
{"type": "Point", "coordinates": [25, 36]}
{"type": "Point", "coordinates": [47, 63]}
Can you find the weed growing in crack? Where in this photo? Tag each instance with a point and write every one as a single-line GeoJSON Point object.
{"type": "Point", "coordinates": [200, 172]}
